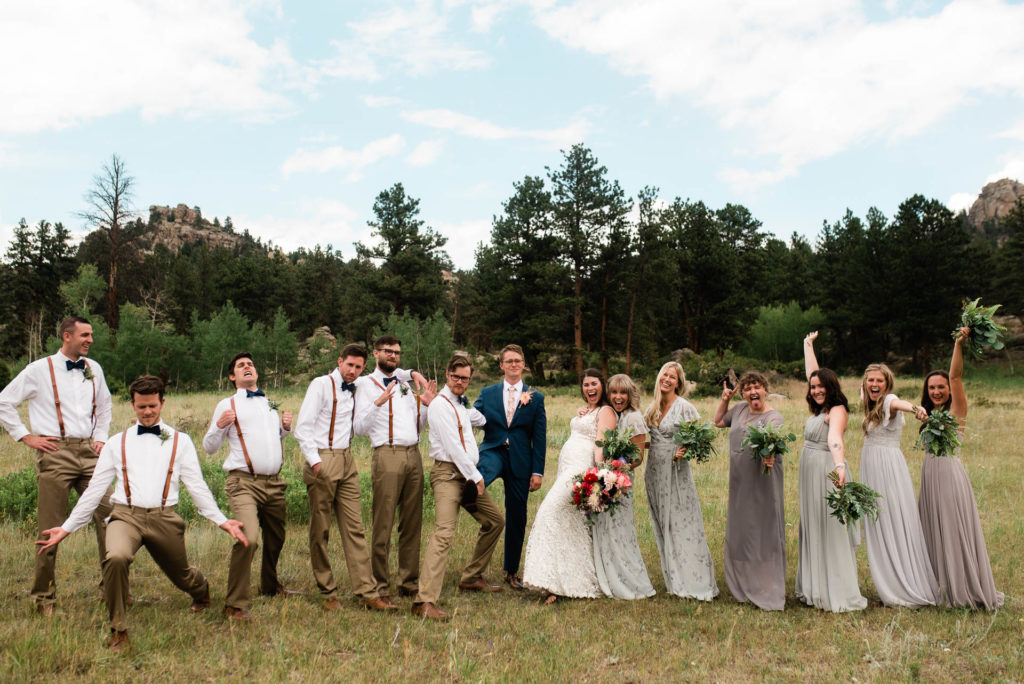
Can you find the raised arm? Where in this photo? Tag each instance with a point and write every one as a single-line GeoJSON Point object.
{"type": "Point", "coordinates": [723, 405]}
{"type": "Point", "coordinates": [958, 406]}
{"type": "Point", "coordinates": [810, 361]}
{"type": "Point", "coordinates": [605, 421]}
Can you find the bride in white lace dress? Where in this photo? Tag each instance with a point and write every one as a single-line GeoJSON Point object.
{"type": "Point", "coordinates": [560, 550]}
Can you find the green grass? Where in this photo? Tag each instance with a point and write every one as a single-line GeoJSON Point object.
{"type": "Point", "coordinates": [510, 637]}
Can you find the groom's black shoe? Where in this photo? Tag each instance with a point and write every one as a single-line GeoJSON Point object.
{"type": "Point", "coordinates": [514, 581]}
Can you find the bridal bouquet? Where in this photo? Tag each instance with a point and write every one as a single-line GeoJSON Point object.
{"type": "Point", "coordinates": [599, 489]}
{"type": "Point", "coordinates": [698, 440]}
{"type": "Point", "coordinates": [985, 332]}
{"type": "Point", "coordinates": [852, 501]}
{"type": "Point", "coordinates": [766, 442]}
{"type": "Point", "coordinates": [617, 446]}
{"type": "Point", "coordinates": [940, 434]}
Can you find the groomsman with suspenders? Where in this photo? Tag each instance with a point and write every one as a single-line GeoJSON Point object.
{"type": "Point", "coordinates": [392, 415]}
{"type": "Point", "coordinates": [255, 490]}
{"type": "Point", "coordinates": [456, 483]}
{"type": "Point", "coordinates": [69, 410]}
{"type": "Point", "coordinates": [149, 460]}
{"type": "Point", "coordinates": [324, 430]}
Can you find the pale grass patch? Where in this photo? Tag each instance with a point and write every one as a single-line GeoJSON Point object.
{"type": "Point", "coordinates": [511, 637]}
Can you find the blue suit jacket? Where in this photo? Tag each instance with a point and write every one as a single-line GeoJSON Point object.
{"type": "Point", "coordinates": [527, 435]}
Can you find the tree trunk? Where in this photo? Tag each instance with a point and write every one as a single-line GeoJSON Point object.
{"type": "Point", "coordinates": [577, 324]}
{"type": "Point", "coordinates": [632, 314]}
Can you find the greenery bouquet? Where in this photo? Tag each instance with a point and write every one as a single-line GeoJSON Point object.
{"type": "Point", "coordinates": [698, 439]}
{"type": "Point", "coordinates": [616, 446]}
{"type": "Point", "coordinates": [985, 332]}
{"type": "Point", "coordinates": [768, 441]}
{"type": "Point", "coordinates": [940, 434]}
{"type": "Point", "coordinates": [852, 501]}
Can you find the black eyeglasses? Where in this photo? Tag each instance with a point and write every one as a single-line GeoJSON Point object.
{"type": "Point", "coordinates": [459, 378]}
{"type": "Point", "coordinates": [391, 352]}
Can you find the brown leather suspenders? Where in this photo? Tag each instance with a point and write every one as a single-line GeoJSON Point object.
{"type": "Point", "coordinates": [56, 396]}
{"type": "Point", "coordinates": [124, 469]}
{"type": "Point", "coordinates": [457, 420]}
{"type": "Point", "coordinates": [241, 440]}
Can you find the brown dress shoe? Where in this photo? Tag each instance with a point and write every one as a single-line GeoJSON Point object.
{"type": "Point", "coordinates": [380, 604]}
{"type": "Point", "coordinates": [119, 640]}
{"type": "Point", "coordinates": [237, 614]}
{"type": "Point", "coordinates": [46, 609]}
{"type": "Point", "coordinates": [479, 585]}
{"type": "Point", "coordinates": [514, 581]}
{"type": "Point", "coordinates": [332, 603]}
{"type": "Point", "coordinates": [199, 606]}
{"type": "Point", "coordinates": [387, 601]}
{"type": "Point", "coordinates": [429, 611]}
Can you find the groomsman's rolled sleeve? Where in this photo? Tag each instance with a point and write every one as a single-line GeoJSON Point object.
{"type": "Point", "coordinates": [104, 405]}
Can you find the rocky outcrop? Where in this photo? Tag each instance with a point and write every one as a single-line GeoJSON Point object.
{"type": "Point", "coordinates": [177, 226]}
{"type": "Point", "coordinates": [995, 202]}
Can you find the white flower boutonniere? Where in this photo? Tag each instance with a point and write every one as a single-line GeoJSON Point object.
{"type": "Point", "coordinates": [274, 405]}
{"type": "Point", "coordinates": [525, 397]}
{"type": "Point", "coordinates": [164, 435]}
{"type": "Point", "coordinates": [87, 374]}
{"type": "Point", "coordinates": [404, 389]}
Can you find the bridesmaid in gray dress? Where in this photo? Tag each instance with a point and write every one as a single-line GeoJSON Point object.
{"type": "Point", "coordinates": [826, 570]}
{"type": "Point", "coordinates": [897, 554]}
{"type": "Point", "coordinates": [949, 514]}
{"type": "Point", "coordinates": [755, 527]}
{"type": "Point", "coordinates": [675, 509]}
{"type": "Point", "coordinates": [621, 571]}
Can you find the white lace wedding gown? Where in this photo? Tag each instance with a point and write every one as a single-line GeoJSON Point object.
{"type": "Point", "coordinates": [560, 551]}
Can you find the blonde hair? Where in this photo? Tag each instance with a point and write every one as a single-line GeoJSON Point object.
{"type": "Point", "coordinates": [653, 415]}
{"type": "Point", "coordinates": [874, 410]}
{"type": "Point", "coordinates": [625, 384]}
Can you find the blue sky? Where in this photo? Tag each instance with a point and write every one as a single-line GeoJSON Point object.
{"type": "Point", "coordinates": [291, 117]}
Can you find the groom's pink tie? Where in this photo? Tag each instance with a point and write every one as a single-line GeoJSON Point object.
{"type": "Point", "coordinates": [510, 405]}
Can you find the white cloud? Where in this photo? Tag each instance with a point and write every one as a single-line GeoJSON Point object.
{"type": "Point", "coordinates": [463, 124]}
{"type": "Point", "coordinates": [426, 153]}
{"type": "Point", "coordinates": [1013, 168]}
{"type": "Point", "coordinates": [76, 61]}
{"type": "Point", "coordinates": [961, 201]}
{"type": "Point", "coordinates": [319, 222]}
{"type": "Point", "coordinates": [413, 39]}
{"type": "Point", "coordinates": [463, 238]}
{"type": "Point", "coordinates": [803, 81]}
{"type": "Point", "coordinates": [1016, 132]}
{"type": "Point", "coordinates": [337, 157]}
{"type": "Point", "coordinates": [381, 101]}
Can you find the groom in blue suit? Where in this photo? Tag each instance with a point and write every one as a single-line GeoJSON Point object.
{"type": "Point", "coordinates": [515, 441]}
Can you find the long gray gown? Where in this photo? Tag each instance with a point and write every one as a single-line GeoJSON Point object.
{"type": "Point", "coordinates": [621, 570]}
{"type": "Point", "coordinates": [755, 529]}
{"type": "Point", "coordinates": [897, 554]}
{"type": "Point", "coordinates": [826, 570]}
{"type": "Point", "coordinates": [675, 512]}
{"type": "Point", "coordinates": [953, 535]}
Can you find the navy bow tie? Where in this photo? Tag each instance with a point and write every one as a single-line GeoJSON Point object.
{"type": "Point", "coordinates": [249, 394]}
{"type": "Point", "coordinates": [388, 381]}
{"type": "Point", "coordinates": [464, 401]}
{"type": "Point", "coordinates": [349, 386]}
{"type": "Point", "coordinates": [79, 364]}
{"type": "Point", "coordinates": [151, 430]}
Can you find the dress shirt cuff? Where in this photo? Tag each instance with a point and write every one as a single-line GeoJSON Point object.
{"type": "Point", "coordinates": [476, 476]}
{"type": "Point", "coordinates": [217, 518]}
{"type": "Point", "coordinates": [20, 433]}
{"type": "Point", "coordinates": [102, 437]}
{"type": "Point", "coordinates": [312, 458]}
{"type": "Point", "coordinates": [538, 475]}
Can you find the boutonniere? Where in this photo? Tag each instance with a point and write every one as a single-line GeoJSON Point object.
{"type": "Point", "coordinates": [404, 389]}
{"type": "Point", "coordinates": [274, 405]}
{"type": "Point", "coordinates": [87, 374]}
{"type": "Point", "coordinates": [525, 397]}
{"type": "Point", "coordinates": [164, 435]}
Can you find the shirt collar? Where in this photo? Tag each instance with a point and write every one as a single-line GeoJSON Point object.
{"type": "Point", "coordinates": [518, 386]}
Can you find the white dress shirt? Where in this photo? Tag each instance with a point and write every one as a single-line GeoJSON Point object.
{"type": "Point", "coordinates": [313, 425]}
{"type": "Point", "coordinates": [261, 428]}
{"type": "Point", "coordinates": [147, 457]}
{"type": "Point", "coordinates": [33, 384]}
{"type": "Point", "coordinates": [373, 420]}
{"type": "Point", "coordinates": [445, 444]}
{"type": "Point", "coordinates": [517, 393]}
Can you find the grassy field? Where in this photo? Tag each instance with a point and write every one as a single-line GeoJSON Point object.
{"type": "Point", "coordinates": [510, 636]}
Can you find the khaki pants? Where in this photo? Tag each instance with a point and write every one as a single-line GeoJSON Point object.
{"type": "Point", "coordinates": [257, 501]}
{"type": "Point", "coordinates": [335, 493]}
{"type": "Point", "coordinates": [448, 484]}
{"type": "Point", "coordinates": [162, 532]}
{"type": "Point", "coordinates": [58, 472]}
{"type": "Point", "coordinates": [397, 475]}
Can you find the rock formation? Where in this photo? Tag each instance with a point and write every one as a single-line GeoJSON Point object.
{"type": "Point", "coordinates": [996, 200]}
{"type": "Point", "coordinates": [177, 226]}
